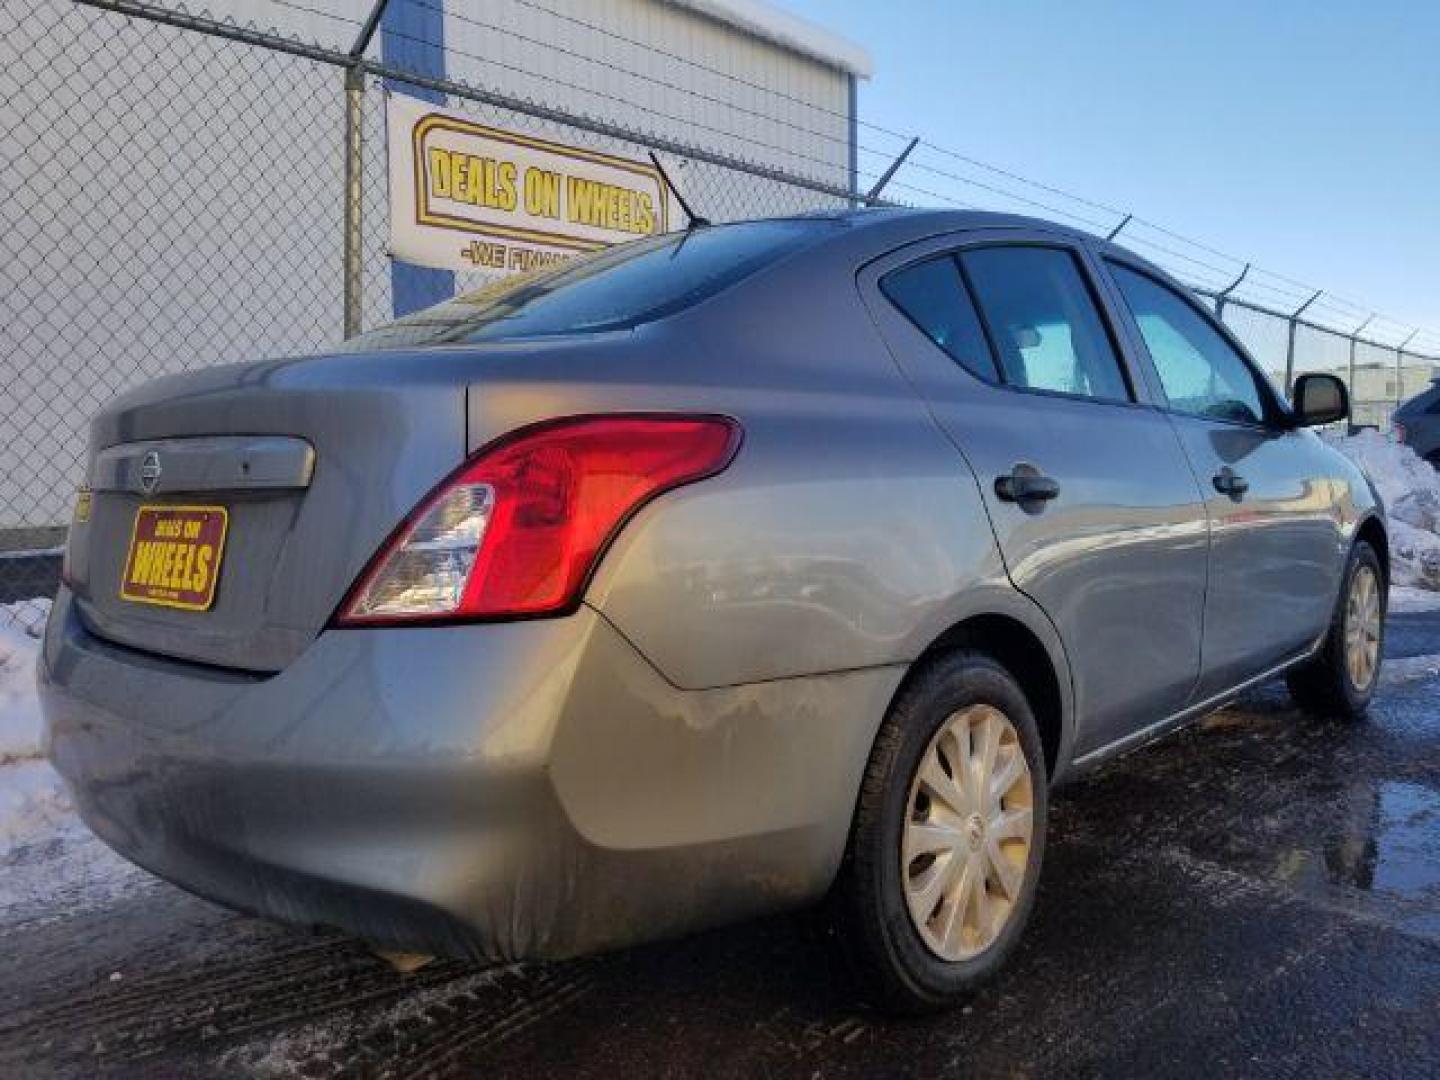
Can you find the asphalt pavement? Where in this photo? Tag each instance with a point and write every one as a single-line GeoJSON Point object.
{"type": "Point", "coordinates": [1256, 896]}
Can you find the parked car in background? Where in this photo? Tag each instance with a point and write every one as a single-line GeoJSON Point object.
{"type": "Point", "coordinates": [1417, 423]}
{"type": "Point", "coordinates": [706, 576]}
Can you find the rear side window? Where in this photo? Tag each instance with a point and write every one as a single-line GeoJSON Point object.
{"type": "Point", "coordinates": [933, 297]}
{"type": "Point", "coordinates": [1200, 371]}
{"type": "Point", "coordinates": [613, 289]}
{"type": "Point", "coordinates": [1044, 322]}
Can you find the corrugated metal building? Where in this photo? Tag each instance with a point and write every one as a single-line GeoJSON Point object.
{"type": "Point", "coordinates": [740, 77]}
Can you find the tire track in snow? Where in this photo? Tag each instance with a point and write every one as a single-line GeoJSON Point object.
{"type": "Point", "coordinates": [467, 1031]}
{"type": "Point", "coordinates": [137, 1020]}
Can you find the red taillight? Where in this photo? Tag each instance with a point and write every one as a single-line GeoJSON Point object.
{"type": "Point", "coordinates": [1399, 431]}
{"type": "Point", "coordinates": [517, 530]}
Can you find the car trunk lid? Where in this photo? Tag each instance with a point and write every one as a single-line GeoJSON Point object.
{"type": "Point", "coordinates": [312, 463]}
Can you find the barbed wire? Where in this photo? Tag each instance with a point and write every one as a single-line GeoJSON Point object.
{"type": "Point", "coordinates": [842, 141]}
{"type": "Point", "coordinates": [1278, 287]}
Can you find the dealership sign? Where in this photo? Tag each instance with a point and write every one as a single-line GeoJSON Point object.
{"type": "Point", "coordinates": [464, 196]}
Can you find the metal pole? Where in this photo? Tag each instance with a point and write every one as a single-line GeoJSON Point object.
{"type": "Point", "coordinates": [354, 268]}
{"type": "Point", "coordinates": [854, 94]}
{"type": "Point", "coordinates": [367, 30]}
{"type": "Point", "coordinates": [1400, 366]}
{"type": "Point", "coordinates": [354, 196]}
{"type": "Point", "coordinates": [1224, 294]}
{"type": "Point", "coordinates": [1290, 345]}
{"type": "Point", "coordinates": [1354, 343]}
{"type": "Point", "coordinates": [874, 192]}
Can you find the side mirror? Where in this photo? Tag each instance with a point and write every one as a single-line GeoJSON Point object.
{"type": "Point", "coordinates": [1319, 399]}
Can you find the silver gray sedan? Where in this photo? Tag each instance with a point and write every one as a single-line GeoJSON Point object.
{"type": "Point", "coordinates": [706, 576]}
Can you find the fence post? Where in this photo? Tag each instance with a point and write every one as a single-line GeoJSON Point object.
{"type": "Point", "coordinates": [354, 267]}
{"type": "Point", "coordinates": [879, 186]}
{"type": "Point", "coordinates": [1400, 366]}
{"type": "Point", "coordinates": [854, 136]}
{"type": "Point", "coordinates": [1224, 294]}
{"type": "Point", "coordinates": [1290, 345]}
{"type": "Point", "coordinates": [1354, 343]}
{"type": "Point", "coordinates": [354, 196]}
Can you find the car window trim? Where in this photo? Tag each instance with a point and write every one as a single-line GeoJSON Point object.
{"type": "Point", "coordinates": [1132, 398]}
{"type": "Point", "coordinates": [1087, 277]}
{"type": "Point", "coordinates": [1281, 420]}
{"type": "Point", "coordinates": [949, 256]}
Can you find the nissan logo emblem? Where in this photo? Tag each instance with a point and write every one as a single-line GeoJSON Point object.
{"type": "Point", "coordinates": [150, 471]}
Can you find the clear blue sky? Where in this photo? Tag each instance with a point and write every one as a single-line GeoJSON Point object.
{"type": "Point", "coordinates": [1302, 135]}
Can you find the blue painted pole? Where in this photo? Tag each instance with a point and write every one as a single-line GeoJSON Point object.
{"type": "Point", "coordinates": [412, 37]}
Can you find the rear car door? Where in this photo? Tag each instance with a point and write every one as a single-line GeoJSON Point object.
{"type": "Point", "coordinates": [1277, 511]}
{"type": "Point", "coordinates": [1095, 508]}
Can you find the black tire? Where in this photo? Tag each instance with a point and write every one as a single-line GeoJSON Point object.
{"type": "Point", "coordinates": [896, 969]}
{"type": "Point", "coordinates": [1323, 686]}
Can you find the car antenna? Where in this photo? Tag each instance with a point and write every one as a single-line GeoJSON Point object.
{"type": "Point", "coordinates": [694, 219]}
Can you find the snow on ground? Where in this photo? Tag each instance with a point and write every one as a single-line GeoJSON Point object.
{"type": "Point", "coordinates": [1410, 488]}
{"type": "Point", "coordinates": [28, 797]}
{"type": "Point", "coordinates": [49, 862]}
{"type": "Point", "coordinates": [1408, 598]}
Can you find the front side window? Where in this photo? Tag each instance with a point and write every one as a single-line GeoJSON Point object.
{"type": "Point", "coordinates": [1044, 322]}
{"type": "Point", "coordinates": [1200, 371]}
{"type": "Point", "coordinates": [933, 297]}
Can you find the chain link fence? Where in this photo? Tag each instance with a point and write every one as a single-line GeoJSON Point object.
{"type": "Point", "coordinates": [177, 197]}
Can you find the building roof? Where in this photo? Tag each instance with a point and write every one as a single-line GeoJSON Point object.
{"type": "Point", "coordinates": [769, 23]}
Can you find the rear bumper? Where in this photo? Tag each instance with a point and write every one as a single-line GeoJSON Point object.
{"type": "Point", "coordinates": [527, 789]}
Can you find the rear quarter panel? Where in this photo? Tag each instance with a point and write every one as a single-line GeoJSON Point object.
{"type": "Point", "coordinates": [847, 533]}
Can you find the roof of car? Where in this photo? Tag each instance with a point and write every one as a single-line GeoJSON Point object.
{"type": "Point", "coordinates": [923, 219]}
{"type": "Point", "coordinates": [919, 222]}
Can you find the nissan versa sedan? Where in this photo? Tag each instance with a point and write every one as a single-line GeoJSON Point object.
{"type": "Point", "coordinates": [710, 575]}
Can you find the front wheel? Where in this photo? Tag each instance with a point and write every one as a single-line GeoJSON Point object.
{"type": "Point", "coordinates": [1341, 679]}
{"type": "Point", "coordinates": [948, 836]}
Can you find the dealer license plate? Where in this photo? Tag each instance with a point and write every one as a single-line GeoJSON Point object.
{"type": "Point", "coordinates": [174, 558]}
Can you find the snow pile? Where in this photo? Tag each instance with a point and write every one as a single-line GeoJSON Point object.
{"type": "Point", "coordinates": [32, 799]}
{"type": "Point", "coordinates": [1410, 488]}
{"type": "Point", "coordinates": [20, 628]}
{"type": "Point", "coordinates": [50, 864]}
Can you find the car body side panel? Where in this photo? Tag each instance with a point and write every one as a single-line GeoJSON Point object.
{"type": "Point", "coordinates": [1118, 560]}
{"type": "Point", "coordinates": [830, 542]}
{"type": "Point", "coordinates": [1277, 552]}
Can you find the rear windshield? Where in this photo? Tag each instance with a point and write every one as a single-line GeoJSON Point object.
{"type": "Point", "coordinates": [613, 289]}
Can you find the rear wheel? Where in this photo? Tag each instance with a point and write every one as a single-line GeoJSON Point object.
{"type": "Point", "coordinates": [1341, 679]}
{"type": "Point", "coordinates": [948, 837]}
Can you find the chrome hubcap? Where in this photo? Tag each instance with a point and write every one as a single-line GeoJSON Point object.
{"type": "Point", "coordinates": [1362, 628]}
{"type": "Point", "coordinates": [966, 844]}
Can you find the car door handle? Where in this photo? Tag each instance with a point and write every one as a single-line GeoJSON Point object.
{"type": "Point", "coordinates": [1025, 484]}
{"type": "Point", "coordinates": [1228, 482]}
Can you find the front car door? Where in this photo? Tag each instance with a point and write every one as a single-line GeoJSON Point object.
{"type": "Point", "coordinates": [1276, 507]}
{"type": "Point", "coordinates": [1093, 503]}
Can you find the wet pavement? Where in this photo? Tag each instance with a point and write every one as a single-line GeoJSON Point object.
{"type": "Point", "coordinates": [1412, 633]}
{"type": "Point", "coordinates": [1259, 895]}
